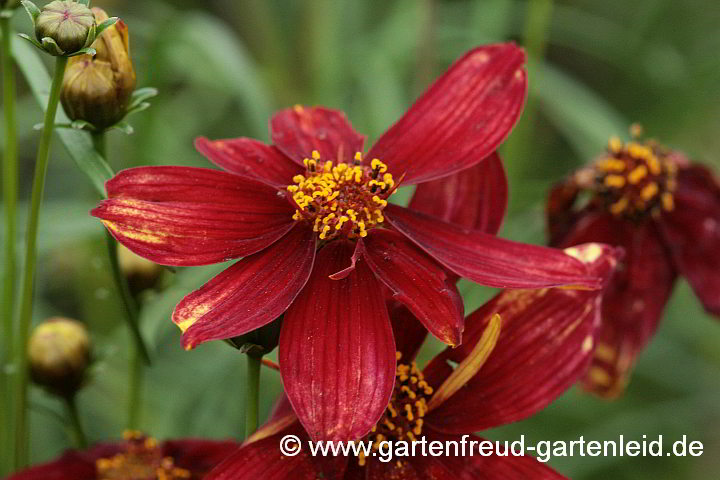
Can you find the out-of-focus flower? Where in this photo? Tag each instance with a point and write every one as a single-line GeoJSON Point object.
{"type": "Point", "coordinates": [310, 215]}
{"type": "Point", "coordinates": [59, 353]}
{"type": "Point", "coordinates": [523, 349]}
{"type": "Point", "coordinates": [137, 457]}
{"type": "Point", "coordinates": [141, 274]}
{"type": "Point", "coordinates": [665, 212]}
{"type": "Point", "coordinates": [97, 89]}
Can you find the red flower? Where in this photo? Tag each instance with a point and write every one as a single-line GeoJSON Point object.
{"type": "Point", "coordinates": [523, 349]}
{"type": "Point", "coordinates": [665, 212]}
{"type": "Point", "coordinates": [305, 213]}
{"type": "Point", "coordinates": [137, 458]}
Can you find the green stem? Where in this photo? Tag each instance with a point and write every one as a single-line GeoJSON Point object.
{"type": "Point", "coordinates": [26, 298]}
{"type": "Point", "coordinates": [520, 146]}
{"type": "Point", "coordinates": [77, 429]}
{"type": "Point", "coordinates": [10, 186]}
{"type": "Point", "coordinates": [139, 356]}
{"type": "Point", "coordinates": [137, 376]}
{"type": "Point", "coordinates": [252, 394]}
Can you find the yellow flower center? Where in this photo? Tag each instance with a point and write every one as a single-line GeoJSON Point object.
{"type": "Point", "coordinates": [403, 418]}
{"type": "Point", "coordinates": [341, 198]}
{"type": "Point", "coordinates": [141, 460]}
{"type": "Point", "coordinates": [635, 178]}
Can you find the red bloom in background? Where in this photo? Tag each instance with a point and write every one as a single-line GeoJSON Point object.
{"type": "Point", "coordinates": [522, 350]}
{"type": "Point", "coordinates": [137, 458]}
{"type": "Point", "coordinates": [320, 242]}
{"type": "Point", "coordinates": [665, 212]}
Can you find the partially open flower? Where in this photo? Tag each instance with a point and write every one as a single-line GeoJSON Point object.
{"type": "Point", "coordinates": [98, 89]}
{"type": "Point", "coordinates": [69, 24]}
{"type": "Point", "coordinates": [141, 274]}
{"type": "Point", "coordinates": [59, 351]}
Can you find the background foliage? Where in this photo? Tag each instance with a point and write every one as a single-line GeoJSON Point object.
{"type": "Point", "coordinates": [223, 66]}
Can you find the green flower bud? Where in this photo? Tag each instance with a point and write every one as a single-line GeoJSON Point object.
{"type": "Point", "coordinates": [59, 353]}
{"type": "Point", "coordinates": [69, 24]}
{"type": "Point", "coordinates": [98, 89]}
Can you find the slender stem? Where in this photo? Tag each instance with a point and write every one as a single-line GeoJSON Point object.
{"type": "Point", "coordinates": [135, 393]}
{"type": "Point", "coordinates": [138, 351]}
{"type": "Point", "coordinates": [535, 37]}
{"type": "Point", "coordinates": [99, 140]}
{"type": "Point", "coordinates": [77, 429]}
{"type": "Point", "coordinates": [26, 298]}
{"type": "Point", "coordinates": [252, 394]}
{"type": "Point", "coordinates": [10, 186]}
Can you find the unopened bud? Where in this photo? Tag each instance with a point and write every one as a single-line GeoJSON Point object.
{"type": "Point", "coordinates": [69, 24]}
{"type": "Point", "coordinates": [141, 273]}
{"type": "Point", "coordinates": [98, 89]}
{"type": "Point", "coordinates": [59, 353]}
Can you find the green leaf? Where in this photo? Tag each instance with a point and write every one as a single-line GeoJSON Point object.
{"type": "Point", "coordinates": [583, 116]}
{"type": "Point", "coordinates": [78, 144]}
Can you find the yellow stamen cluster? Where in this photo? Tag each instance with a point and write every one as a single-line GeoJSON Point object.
{"type": "Point", "coordinates": [341, 198]}
{"type": "Point", "coordinates": [142, 459]}
{"type": "Point", "coordinates": [635, 178]}
{"type": "Point", "coordinates": [403, 418]}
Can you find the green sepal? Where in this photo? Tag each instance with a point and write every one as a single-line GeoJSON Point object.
{"type": "Point", "coordinates": [140, 95]}
{"type": "Point", "coordinates": [82, 125]}
{"type": "Point", "coordinates": [105, 25]}
{"type": "Point", "coordinates": [32, 40]}
{"type": "Point", "coordinates": [84, 51]}
{"type": "Point", "coordinates": [51, 47]}
{"type": "Point", "coordinates": [83, 2]}
{"type": "Point", "coordinates": [32, 10]}
{"type": "Point", "coordinates": [124, 127]}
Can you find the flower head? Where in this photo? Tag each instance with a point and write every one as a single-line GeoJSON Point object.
{"type": "Point", "coordinates": [323, 247]}
{"type": "Point", "coordinates": [59, 355]}
{"type": "Point", "coordinates": [524, 348]}
{"type": "Point", "coordinates": [136, 457]}
{"type": "Point", "coordinates": [97, 89]}
{"type": "Point", "coordinates": [664, 211]}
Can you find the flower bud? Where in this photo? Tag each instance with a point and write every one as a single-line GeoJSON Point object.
{"type": "Point", "coordinates": [69, 24]}
{"type": "Point", "coordinates": [59, 353]}
{"type": "Point", "coordinates": [141, 273]}
{"type": "Point", "coordinates": [98, 89]}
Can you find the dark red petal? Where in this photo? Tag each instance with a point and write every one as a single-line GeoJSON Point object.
{"type": "Point", "coordinates": [545, 346]}
{"type": "Point", "coordinates": [253, 292]}
{"type": "Point", "coordinates": [249, 158]}
{"type": "Point", "coordinates": [418, 282]}
{"type": "Point", "coordinates": [475, 198]}
{"type": "Point", "coordinates": [487, 259]}
{"type": "Point", "coordinates": [262, 460]}
{"type": "Point", "coordinates": [478, 467]}
{"type": "Point", "coordinates": [461, 119]}
{"type": "Point", "coordinates": [72, 465]}
{"type": "Point", "coordinates": [192, 216]}
{"type": "Point", "coordinates": [337, 349]}
{"type": "Point", "coordinates": [299, 130]}
{"type": "Point", "coordinates": [634, 301]}
{"type": "Point", "coordinates": [408, 331]}
{"type": "Point", "coordinates": [692, 231]}
{"type": "Point", "coordinates": [198, 456]}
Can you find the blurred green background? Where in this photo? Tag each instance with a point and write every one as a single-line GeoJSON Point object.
{"type": "Point", "coordinates": [223, 67]}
